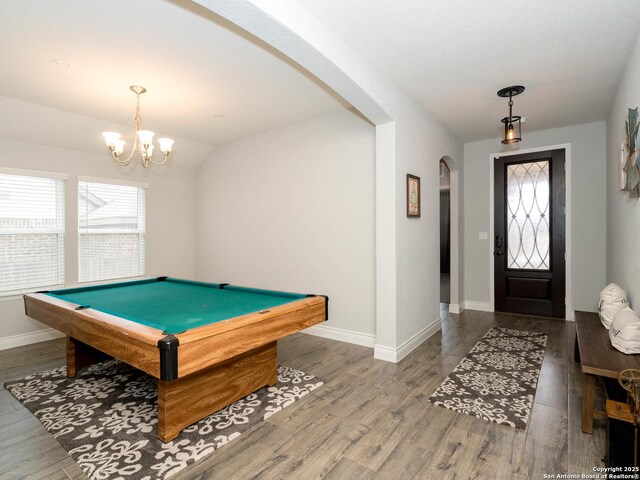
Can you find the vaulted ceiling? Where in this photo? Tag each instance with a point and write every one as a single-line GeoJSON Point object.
{"type": "Point", "coordinates": [209, 82]}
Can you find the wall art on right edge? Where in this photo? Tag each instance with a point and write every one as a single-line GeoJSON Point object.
{"type": "Point", "coordinates": [623, 173]}
{"type": "Point", "coordinates": [631, 170]}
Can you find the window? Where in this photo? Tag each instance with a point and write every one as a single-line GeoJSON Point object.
{"type": "Point", "coordinates": [31, 231]}
{"type": "Point", "coordinates": [111, 230]}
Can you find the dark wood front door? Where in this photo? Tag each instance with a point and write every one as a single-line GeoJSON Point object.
{"type": "Point", "coordinates": [529, 242]}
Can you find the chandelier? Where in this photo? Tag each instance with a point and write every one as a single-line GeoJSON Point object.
{"type": "Point", "coordinates": [512, 123]}
{"type": "Point", "coordinates": [143, 145]}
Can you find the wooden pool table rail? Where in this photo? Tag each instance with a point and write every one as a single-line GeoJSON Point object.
{"type": "Point", "coordinates": [198, 348]}
{"type": "Point", "coordinates": [131, 342]}
{"type": "Point", "coordinates": [212, 344]}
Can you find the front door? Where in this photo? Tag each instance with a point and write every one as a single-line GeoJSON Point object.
{"type": "Point", "coordinates": [529, 242]}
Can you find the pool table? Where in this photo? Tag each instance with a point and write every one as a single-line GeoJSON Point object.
{"type": "Point", "coordinates": [207, 344]}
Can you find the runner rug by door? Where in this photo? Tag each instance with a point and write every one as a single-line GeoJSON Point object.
{"type": "Point", "coordinates": [106, 418]}
{"type": "Point", "coordinates": [497, 379]}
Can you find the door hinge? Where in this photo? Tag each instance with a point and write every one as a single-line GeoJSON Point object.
{"type": "Point", "coordinates": [565, 256]}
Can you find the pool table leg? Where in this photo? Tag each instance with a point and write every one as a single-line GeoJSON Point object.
{"type": "Point", "coordinates": [80, 355]}
{"type": "Point", "coordinates": [186, 400]}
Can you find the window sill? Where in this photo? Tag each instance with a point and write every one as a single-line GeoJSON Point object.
{"type": "Point", "coordinates": [110, 280]}
{"type": "Point", "coordinates": [17, 295]}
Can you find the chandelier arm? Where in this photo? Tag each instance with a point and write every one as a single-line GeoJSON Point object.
{"type": "Point", "coordinates": [159, 163]}
{"type": "Point", "coordinates": [124, 162]}
{"type": "Point", "coordinates": [133, 150]}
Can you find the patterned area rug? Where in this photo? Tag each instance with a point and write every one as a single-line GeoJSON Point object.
{"type": "Point", "coordinates": [106, 418]}
{"type": "Point", "coordinates": [497, 379]}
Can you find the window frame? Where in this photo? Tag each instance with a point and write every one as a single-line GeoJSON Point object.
{"type": "Point", "coordinates": [139, 231]}
{"type": "Point", "coordinates": [61, 230]}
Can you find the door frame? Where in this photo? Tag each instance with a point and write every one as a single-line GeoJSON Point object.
{"type": "Point", "coordinates": [567, 181]}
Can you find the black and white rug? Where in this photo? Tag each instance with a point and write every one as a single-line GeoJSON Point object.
{"type": "Point", "coordinates": [106, 418]}
{"type": "Point", "coordinates": [497, 379]}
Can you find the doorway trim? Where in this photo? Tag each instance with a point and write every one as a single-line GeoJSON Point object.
{"type": "Point", "coordinates": [567, 180]}
{"type": "Point", "coordinates": [454, 241]}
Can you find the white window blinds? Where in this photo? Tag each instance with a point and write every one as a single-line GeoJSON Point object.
{"type": "Point", "coordinates": [31, 232]}
{"type": "Point", "coordinates": [111, 229]}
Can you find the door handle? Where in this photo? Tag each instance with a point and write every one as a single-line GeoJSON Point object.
{"type": "Point", "coordinates": [498, 244]}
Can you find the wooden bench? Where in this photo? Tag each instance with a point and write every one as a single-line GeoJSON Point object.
{"type": "Point", "coordinates": [597, 358]}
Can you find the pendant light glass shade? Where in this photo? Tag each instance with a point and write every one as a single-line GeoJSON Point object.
{"type": "Point", "coordinates": [512, 130]}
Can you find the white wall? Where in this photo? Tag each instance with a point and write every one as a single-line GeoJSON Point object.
{"type": "Point", "coordinates": [623, 213]}
{"type": "Point", "coordinates": [587, 191]}
{"type": "Point", "coordinates": [421, 143]}
{"type": "Point", "coordinates": [293, 209]}
{"type": "Point", "coordinates": [408, 140]}
{"type": "Point", "coordinates": [169, 219]}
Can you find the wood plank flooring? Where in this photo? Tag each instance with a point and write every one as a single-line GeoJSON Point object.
{"type": "Point", "coordinates": [371, 419]}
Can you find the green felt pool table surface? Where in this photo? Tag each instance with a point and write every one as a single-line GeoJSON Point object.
{"type": "Point", "coordinates": [174, 305]}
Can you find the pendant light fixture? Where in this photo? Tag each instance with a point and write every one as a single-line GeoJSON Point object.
{"type": "Point", "coordinates": [512, 123]}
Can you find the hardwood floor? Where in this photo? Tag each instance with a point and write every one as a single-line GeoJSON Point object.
{"type": "Point", "coordinates": [371, 419]}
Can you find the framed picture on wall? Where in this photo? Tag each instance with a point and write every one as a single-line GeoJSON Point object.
{"type": "Point", "coordinates": [413, 196]}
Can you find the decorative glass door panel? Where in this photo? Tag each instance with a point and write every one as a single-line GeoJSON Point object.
{"type": "Point", "coordinates": [528, 232]}
{"type": "Point", "coordinates": [529, 229]}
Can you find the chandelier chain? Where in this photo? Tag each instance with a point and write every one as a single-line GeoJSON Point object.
{"type": "Point", "coordinates": [138, 118]}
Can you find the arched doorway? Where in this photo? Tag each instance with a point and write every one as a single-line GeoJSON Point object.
{"type": "Point", "coordinates": [445, 235]}
{"type": "Point", "coordinates": [449, 236]}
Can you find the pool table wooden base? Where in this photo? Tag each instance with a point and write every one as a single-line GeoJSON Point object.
{"type": "Point", "coordinates": [188, 399]}
{"type": "Point", "coordinates": [80, 355]}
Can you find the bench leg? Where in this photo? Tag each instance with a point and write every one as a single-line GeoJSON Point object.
{"type": "Point", "coordinates": [587, 403]}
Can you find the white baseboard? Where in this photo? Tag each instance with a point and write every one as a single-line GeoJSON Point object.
{"type": "Point", "coordinates": [479, 306]}
{"type": "Point", "coordinates": [394, 355]}
{"type": "Point", "coordinates": [342, 335]}
{"type": "Point", "coordinates": [29, 338]}
{"type": "Point", "coordinates": [387, 354]}
{"type": "Point", "coordinates": [455, 308]}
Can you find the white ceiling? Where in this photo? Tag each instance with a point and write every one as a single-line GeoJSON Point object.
{"type": "Point", "coordinates": [452, 56]}
{"type": "Point", "coordinates": [449, 55]}
{"type": "Point", "coordinates": [194, 65]}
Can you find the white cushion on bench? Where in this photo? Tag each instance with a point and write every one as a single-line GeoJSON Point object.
{"type": "Point", "coordinates": [625, 331]}
{"type": "Point", "coordinates": [612, 299]}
